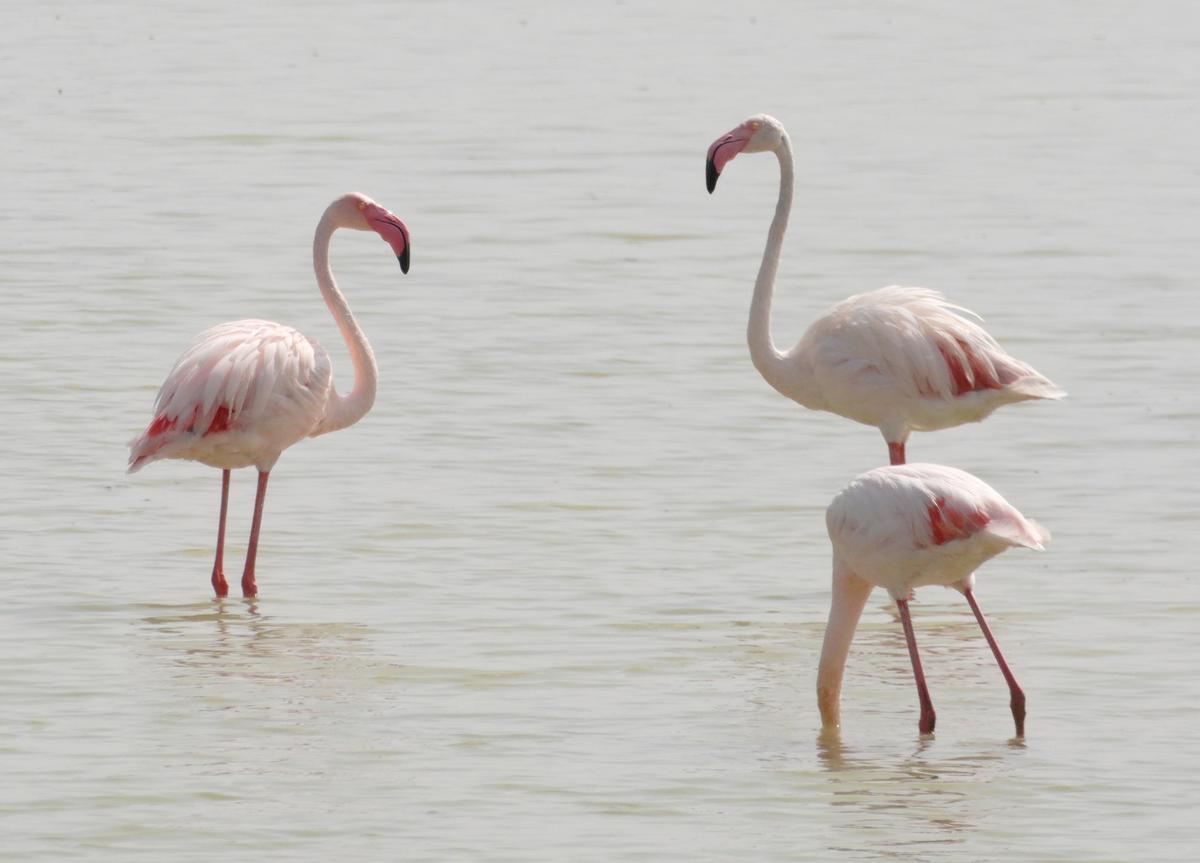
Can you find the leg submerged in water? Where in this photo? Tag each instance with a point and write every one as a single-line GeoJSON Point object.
{"type": "Point", "coordinates": [249, 585]}
{"type": "Point", "coordinates": [220, 585]}
{"type": "Point", "coordinates": [1016, 700]}
{"type": "Point", "coordinates": [928, 717]}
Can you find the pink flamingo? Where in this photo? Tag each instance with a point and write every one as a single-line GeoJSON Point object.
{"type": "Point", "coordinates": [901, 359]}
{"type": "Point", "coordinates": [245, 391]}
{"type": "Point", "coordinates": [902, 527]}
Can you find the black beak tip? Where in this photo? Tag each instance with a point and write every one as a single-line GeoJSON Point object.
{"type": "Point", "coordinates": [403, 259]}
{"type": "Point", "coordinates": [710, 175]}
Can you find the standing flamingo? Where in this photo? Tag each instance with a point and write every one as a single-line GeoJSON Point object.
{"type": "Point", "coordinates": [900, 359]}
{"type": "Point", "coordinates": [902, 527]}
{"type": "Point", "coordinates": [247, 390]}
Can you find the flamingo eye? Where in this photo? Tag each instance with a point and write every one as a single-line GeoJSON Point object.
{"type": "Point", "coordinates": [362, 205]}
{"type": "Point", "coordinates": [755, 125]}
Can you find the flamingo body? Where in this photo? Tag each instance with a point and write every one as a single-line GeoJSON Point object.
{"type": "Point", "coordinates": [241, 394]}
{"type": "Point", "coordinates": [245, 391]}
{"type": "Point", "coordinates": [906, 526]}
{"type": "Point", "coordinates": [901, 359]}
{"type": "Point", "coordinates": [904, 359]}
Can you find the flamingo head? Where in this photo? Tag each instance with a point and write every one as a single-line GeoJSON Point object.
{"type": "Point", "coordinates": [758, 134]}
{"type": "Point", "coordinates": [369, 216]}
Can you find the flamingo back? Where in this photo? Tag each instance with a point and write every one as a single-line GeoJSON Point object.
{"type": "Point", "coordinates": [240, 393]}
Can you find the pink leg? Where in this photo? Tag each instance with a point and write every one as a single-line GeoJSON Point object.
{"type": "Point", "coordinates": [928, 717]}
{"type": "Point", "coordinates": [220, 585]}
{"type": "Point", "coordinates": [1017, 695]}
{"type": "Point", "coordinates": [249, 586]}
{"type": "Point", "coordinates": [896, 452]}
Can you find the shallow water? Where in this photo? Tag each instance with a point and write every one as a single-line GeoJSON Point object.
{"type": "Point", "coordinates": [560, 595]}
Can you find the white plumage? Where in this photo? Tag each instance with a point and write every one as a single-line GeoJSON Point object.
{"type": "Point", "coordinates": [904, 526]}
{"type": "Point", "coordinates": [238, 396]}
{"type": "Point", "coordinates": [904, 359]}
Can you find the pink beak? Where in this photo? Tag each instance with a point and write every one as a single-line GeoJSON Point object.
{"type": "Point", "coordinates": [722, 150]}
{"type": "Point", "coordinates": [389, 226]}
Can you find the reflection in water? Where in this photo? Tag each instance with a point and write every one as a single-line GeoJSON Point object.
{"type": "Point", "coordinates": [928, 800]}
{"type": "Point", "coordinates": [237, 627]}
{"type": "Point", "coordinates": [234, 639]}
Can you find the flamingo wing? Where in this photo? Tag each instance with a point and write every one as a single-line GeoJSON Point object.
{"type": "Point", "coordinates": [244, 376]}
{"type": "Point", "coordinates": [916, 344]}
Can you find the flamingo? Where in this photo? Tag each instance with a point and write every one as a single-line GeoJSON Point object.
{"type": "Point", "coordinates": [901, 359]}
{"type": "Point", "coordinates": [905, 526]}
{"type": "Point", "coordinates": [245, 391]}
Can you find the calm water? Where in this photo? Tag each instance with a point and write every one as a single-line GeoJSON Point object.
{"type": "Point", "coordinates": [560, 595]}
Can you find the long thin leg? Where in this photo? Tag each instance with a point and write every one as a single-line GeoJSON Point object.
{"type": "Point", "coordinates": [220, 585]}
{"type": "Point", "coordinates": [1017, 695]}
{"type": "Point", "coordinates": [928, 717]}
{"type": "Point", "coordinates": [896, 452]}
{"type": "Point", "coordinates": [249, 586]}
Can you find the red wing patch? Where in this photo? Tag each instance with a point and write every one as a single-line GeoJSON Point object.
{"type": "Point", "coordinates": [220, 421]}
{"type": "Point", "coordinates": [948, 523]}
{"type": "Point", "coordinates": [160, 425]}
{"type": "Point", "coordinates": [980, 378]}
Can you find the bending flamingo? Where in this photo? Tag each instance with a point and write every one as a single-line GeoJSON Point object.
{"type": "Point", "coordinates": [245, 391]}
{"type": "Point", "coordinates": [903, 527]}
{"type": "Point", "coordinates": [901, 359]}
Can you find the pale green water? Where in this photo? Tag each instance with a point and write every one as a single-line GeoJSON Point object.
{"type": "Point", "coordinates": [560, 595]}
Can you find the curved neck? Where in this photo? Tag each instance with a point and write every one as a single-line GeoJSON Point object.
{"type": "Point", "coordinates": [767, 358]}
{"type": "Point", "coordinates": [849, 598]}
{"type": "Point", "coordinates": [342, 411]}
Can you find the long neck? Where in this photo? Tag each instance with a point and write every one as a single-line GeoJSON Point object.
{"type": "Point", "coordinates": [343, 411]}
{"type": "Point", "coordinates": [849, 597]}
{"type": "Point", "coordinates": [767, 358]}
